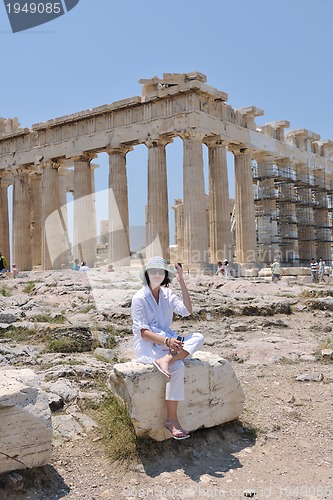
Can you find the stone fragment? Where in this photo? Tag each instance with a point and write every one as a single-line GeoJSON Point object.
{"type": "Point", "coordinates": [213, 394]}
{"type": "Point", "coordinates": [327, 353]}
{"type": "Point", "coordinates": [64, 388]}
{"type": "Point", "coordinates": [310, 377]}
{"type": "Point", "coordinates": [108, 354]}
{"type": "Point", "coordinates": [239, 327]}
{"type": "Point", "coordinates": [56, 402]}
{"type": "Point", "coordinates": [25, 421]}
{"type": "Point", "coordinates": [8, 318]}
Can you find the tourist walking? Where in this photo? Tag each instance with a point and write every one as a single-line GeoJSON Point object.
{"type": "Point", "coordinates": [154, 341]}
{"type": "Point", "coordinates": [276, 271]}
{"type": "Point", "coordinates": [15, 271]}
{"type": "Point", "coordinates": [314, 270]}
{"type": "Point", "coordinates": [321, 270]}
{"type": "Point", "coordinates": [226, 269]}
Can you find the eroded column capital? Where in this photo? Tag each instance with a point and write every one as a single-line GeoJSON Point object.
{"type": "Point", "coordinates": [191, 134]}
{"type": "Point", "coordinates": [48, 164]}
{"type": "Point", "coordinates": [84, 158]}
{"type": "Point", "coordinates": [21, 169]}
{"type": "Point", "coordinates": [240, 149]}
{"type": "Point", "coordinates": [35, 175]}
{"type": "Point", "coordinates": [262, 156]}
{"type": "Point", "coordinates": [154, 142]}
{"type": "Point", "coordinates": [215, 142]}
{"type": "Point", "coordinates": [6, 178]}
{"type": "Point", "coordinates": [121, 150]}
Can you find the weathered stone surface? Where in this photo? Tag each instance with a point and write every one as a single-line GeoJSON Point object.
{"type": "Point", "coordinates": [327, 353]}
{"type": "Point", "coordinates": [25, 421]}
{"type": "Point", "coordinates": [108, 354]}
{"type": "Point", "coordinates": [212, 391]}
{"type": "Point", "coordinates": [310, 377]}
{"type": "Point", "coordinates": [79, 338]}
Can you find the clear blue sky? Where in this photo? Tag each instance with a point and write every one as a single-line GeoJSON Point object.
{"type": "Point", "coordinates": [274, 55]}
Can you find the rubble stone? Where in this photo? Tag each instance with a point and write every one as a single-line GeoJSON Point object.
{"type": "Point", "coordinates": [213, 394]}
{"type": "Point", "coordinates": [25, 421]}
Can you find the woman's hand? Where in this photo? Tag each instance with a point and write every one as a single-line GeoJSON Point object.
{"type": "Point", "coordinates": [180, 278]}
{"type": "Point", "coordinates": [175, 345]}
{"type": "Point", "coordinates": [179, 272]}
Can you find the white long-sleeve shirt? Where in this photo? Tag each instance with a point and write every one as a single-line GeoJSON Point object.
{"type": "Point", "coordinates": [147, 314]}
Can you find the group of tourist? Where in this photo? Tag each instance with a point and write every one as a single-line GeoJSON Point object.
{"type": "Point", "coordinates": [4, 268]}
{"type": "Point", "coordinates": [80, 267]}
{"type": "Point", "coordinates": [223, 269]}
{"type": "Point", "coordinates": [83, 266]}
{"type": "Point", "coordinates": [317, 270]}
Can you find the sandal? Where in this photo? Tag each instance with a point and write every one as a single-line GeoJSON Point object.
{"type": "Point", "coordinates": [160, 370]}
{"type": "Point", "coordinates": [176, 433]}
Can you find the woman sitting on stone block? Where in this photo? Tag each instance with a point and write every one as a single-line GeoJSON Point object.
{"type": "Point", "coordinates": [154, 342]}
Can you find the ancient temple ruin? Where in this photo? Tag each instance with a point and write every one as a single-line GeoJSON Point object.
{"type": "Point", "coordinates": [283, 181]}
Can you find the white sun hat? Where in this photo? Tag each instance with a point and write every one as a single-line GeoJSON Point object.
{"type": "Point", "coordinates": [157, 263]}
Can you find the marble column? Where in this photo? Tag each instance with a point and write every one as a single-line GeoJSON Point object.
{"type": "Point", "coordinates": [66, 255]}
{"type": "Point", "coordinates": [195, 202]}
{"type": "Point", "coordinates": [51, 225]}
{"type": "Point", "coordinates": [35, 179]}
{"type": "Point", "coordinates": [119, 242]}
{"type": "Point", "coordinates": [305, 220]}
{"type": "Point", "coordinates": [178, 208]}
{"type": "Point", "coordinates": [220, 237]}
{"type": "Point", "coordinates": [287, 219]}
{"type": "Point", "coordinates": [84, 211]}
{"type": "Point", "coordinates": [246, 242]}
{"type": "Point", "coordinates": [320, 214]}
{"type": "Point", "coordinates": [327, 152]}
{"type": "Point", "coordinates": [93, 167]}
{"type": "Point", "coordinates": [21, 220]}
{"type": "Point", "coordinates": [157, 229]}
{"type": "Point", "coordinates": [267, 226]}
{"type": "Point", "coordinates": [5, 181]}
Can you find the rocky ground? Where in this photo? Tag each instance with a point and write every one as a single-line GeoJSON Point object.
{"type": "Point", "coordinates": [273, 334]}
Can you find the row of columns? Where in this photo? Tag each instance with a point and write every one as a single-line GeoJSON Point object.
{"type": "Point", "coordinates": [40, 219]}
{"type": "Point", "coordinates": [40, 226]}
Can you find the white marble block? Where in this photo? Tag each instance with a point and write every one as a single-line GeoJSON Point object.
{"type": "Point", "coordinates": [25, 421]}
{"type": "Point", "coordinates": [213, 394]}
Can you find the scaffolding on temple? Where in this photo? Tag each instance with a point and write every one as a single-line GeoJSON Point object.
{"type": "Point", "coordinates": [294, 213]}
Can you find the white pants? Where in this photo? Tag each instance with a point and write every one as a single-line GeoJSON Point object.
{"type": "Point", "coordinates": [174, 390]}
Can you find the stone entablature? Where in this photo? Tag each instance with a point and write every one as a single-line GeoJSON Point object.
{"type": "Point", "coordinates": [192, 104]}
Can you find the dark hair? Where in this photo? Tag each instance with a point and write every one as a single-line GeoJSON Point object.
{"type": "Point", "coordinates": [166, 282]}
